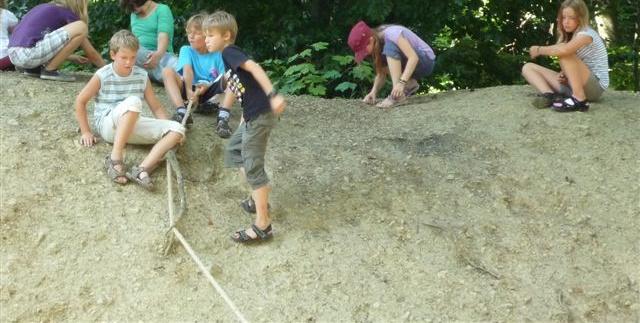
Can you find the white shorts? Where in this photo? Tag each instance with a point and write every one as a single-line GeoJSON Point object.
{"type": "Point", "coordinates": [42, 52]}
{"type": "Point", "coordinates": [147, 130]}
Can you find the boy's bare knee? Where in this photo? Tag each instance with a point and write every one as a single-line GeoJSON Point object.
{"type": "Point", "coordinates": [175, 137]}
{"type": "Point", "coordinates": [168, 73]}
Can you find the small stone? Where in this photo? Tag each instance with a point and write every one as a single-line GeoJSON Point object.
{"type": "Point", "coordinates": [52, 248]}
{"type": "Point", "coordinates": [13, 122]}
{"type": "Point", "coordinates": [41, 235]}
{"type": "Point", "coordinates": [215, 270]}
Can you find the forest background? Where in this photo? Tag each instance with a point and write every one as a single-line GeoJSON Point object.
{"type": "Point", "coordinates": [479, 43]}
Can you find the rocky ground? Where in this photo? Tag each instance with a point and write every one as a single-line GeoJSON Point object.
{"type": "Point", "coordinates": [460, 206]}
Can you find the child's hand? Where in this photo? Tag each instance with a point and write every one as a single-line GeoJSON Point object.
{"type": "Point", "coordinates": [200, 88]}
{"type": "Point", "coordinates": [78, 59]}
{"type": "Point", "coordinates": [278, 104]}
{"type": "Point", "coordinates": [370, 98]}
{"type": "Point", "coordinates": [562, 78]}
{"type": "Point", "coordinates": [534, 51]}
{"type": "Point", "coordinates": [88, 139]}
{"type": "Point", "coordinates": [152, 60]}
{"type": "Point", "coordinates": [398, 90]}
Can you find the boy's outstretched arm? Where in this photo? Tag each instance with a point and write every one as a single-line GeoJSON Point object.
{"type": "Point", "coordinates": [90, 90]}
{"type": "Point", "coordinates": [153, 102]}
{"type": "Point", "coordinates": [187, 76]}
{"type": "Point", "coordinates": [277, 102]}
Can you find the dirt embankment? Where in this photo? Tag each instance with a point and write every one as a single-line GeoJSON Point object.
{"type": "Point", "coordinates": [461, 206]}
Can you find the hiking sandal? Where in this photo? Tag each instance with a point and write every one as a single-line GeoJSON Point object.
{"type": "Point", "coordinates": [249, 206]}
{"type": "Point", "coordinates": [222, 128]}
{"type": "Point", "coordinates": [411, 88]}
{"type": "Point", "coordinates": [261, 235]}
{"type": "Point", "coordinates": [112, 172]}
{"type": "Point", "coordinates": [134, 175]}
{"type": "Point", "coordinates": [390, 102]}
{"type": "Point", "coordinates": [570, 104]}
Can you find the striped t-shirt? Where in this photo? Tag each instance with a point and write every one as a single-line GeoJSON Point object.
{"type": "Point", "coordinates": [114, 89]}
{"type": "Point", "coordinates": [594, 55]}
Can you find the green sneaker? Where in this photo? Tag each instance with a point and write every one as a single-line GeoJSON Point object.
{"type": "Point", "coordinates": [543, 101]}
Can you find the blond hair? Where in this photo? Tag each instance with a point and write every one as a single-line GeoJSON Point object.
{"type": "Point", "coordinates": [582, 13]}
{"type": "Point", "coordinates": [222, 21]}
{"type": "Point", "coordinates": [79, 7]}
{"type": "Point", "coordinates": [123, 39]}
{"type": "Point", "coordinates": [196, 21]}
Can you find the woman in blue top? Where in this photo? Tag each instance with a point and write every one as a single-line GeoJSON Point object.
{"type": "Point", "coordinates": [396, 51]}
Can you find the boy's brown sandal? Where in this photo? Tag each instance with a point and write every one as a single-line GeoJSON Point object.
{"type": "Point", "coordinates": [112, 172]}
{"type": "Point", "coordinates": [134, 175]}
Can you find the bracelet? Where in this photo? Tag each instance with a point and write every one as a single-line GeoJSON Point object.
{"type": "Point", "coordinates": [538, 49]}
{"type": "Point", "coordinates": [401, 81]}
{"type": "Point", "coordinates": [272, 94]}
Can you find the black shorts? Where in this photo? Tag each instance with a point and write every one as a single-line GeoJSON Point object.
{"type": "Point", "coordinates": [208, 94]}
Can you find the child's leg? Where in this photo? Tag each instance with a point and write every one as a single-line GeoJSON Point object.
{"type": "Point", "coordinates": [124, 128]}
{"type": "Point", "coordinates": [541, 78]}
{"type": "Point", "coordinates": [261, 198]}
{"type": "Point", "coordinates": [158, 150]}
{"type": "Point", "coordinates": [577, 74]}
{"type": "Point", "coordinates": [77, 34]}
{"type": "Point", "coordinates": [255, 136]}
{"type": "Point", "coordinates": [163, 134]}
{"type": "Point", "coordinates": [173, 85]}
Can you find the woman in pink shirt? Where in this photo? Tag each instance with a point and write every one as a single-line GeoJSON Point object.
{"type": "Point", "coordinates": [396, 51]}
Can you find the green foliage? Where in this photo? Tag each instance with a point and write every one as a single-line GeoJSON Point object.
{"type": "Point", "coordinates": [100, 29]}
{"type": "Point", "coordinates": [477, 42]}
{"type": "Point", "coordinates": [621, 64]}
{"type": "Point", "coordinates": [312, 72]}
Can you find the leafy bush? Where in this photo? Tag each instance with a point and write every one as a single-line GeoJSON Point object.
{"type": "Point", "coordinates": [621, 64]}
{"type": "Point", "coordinates": [313, 72]}
{"type": "Point", "coordinates": [478, 43]}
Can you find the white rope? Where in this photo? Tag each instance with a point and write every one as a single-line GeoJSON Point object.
{"type": "Point", "coordinates": [184, 242]}
{"type": "Point", "coordinates": [210, 278]}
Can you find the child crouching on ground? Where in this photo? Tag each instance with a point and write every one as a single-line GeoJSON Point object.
{"type": "Point", "coordinates": [247, 82]}
{"type": "Point", "coordinates": [195, 66]}
{"type": "Point", "coordinates": [119, 89]}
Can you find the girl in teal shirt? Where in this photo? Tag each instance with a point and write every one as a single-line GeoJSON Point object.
{"type": "Point", "coordinates": [152, 24]}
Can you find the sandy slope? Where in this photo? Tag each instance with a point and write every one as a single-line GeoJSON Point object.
{"type": "Point", "coordinates": [462, 206]}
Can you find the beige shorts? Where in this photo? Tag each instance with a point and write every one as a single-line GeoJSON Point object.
{"type": "Point", "coordinates": [592, 89]}
{"type": "Point", "coordinates": [147, 130]}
